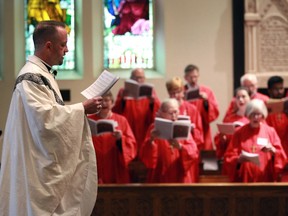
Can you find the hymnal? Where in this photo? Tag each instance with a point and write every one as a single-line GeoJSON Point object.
{"type": "Point", "coordinates": [251, 157]}
{"type": "Point", "coordinates": [168, 129]}
{"type": "Point", "coordinates": [136, 90]}
{"type": "Point", "coordinates": [101, 86]}
{"type": "Point", "coordinates": [102, 126]}
{"type": "Point", "coordinates": [277, 105]}
{"type": "Point", "coordinates": [226, 128]}
{"type": "Point", "coordinates": [192, 94]}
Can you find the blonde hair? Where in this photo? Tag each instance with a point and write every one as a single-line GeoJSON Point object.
{"type": "Point", "coordinates": [174, 84]}
{"type": "Point", "coordinates": [256, 105]}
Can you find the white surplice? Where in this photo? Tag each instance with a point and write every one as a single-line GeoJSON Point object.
{"type": "Point", "coordinates": [48, 162]}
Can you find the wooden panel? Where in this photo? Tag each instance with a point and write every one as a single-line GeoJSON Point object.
{"type": "Point", "coordinates": [195, 199]}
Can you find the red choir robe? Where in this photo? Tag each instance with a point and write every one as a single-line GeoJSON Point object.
{"type": "Point", "coordinates": [170, 165]}
{"type": "Point", "coordinates": [140, 113]}
{"type": "Point", "coordinates": [113, 156]}
{"type": "Point", "coordinates": [233, 107]}
{"type": "Point", "coordinates": [279, 121]}
{"type": "Point", "coordinates": [189, 109]}
{"type": "Point", "coordinates": [246, 139]}
{"type": "Point", "coordinates": [207, 115]}
{"type": "Point", "coordinates": [222, 146]}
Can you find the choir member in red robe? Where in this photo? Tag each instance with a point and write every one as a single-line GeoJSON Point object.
{"type": "Point", "coordinates": [169, 161]}
{"type": "Point", "coordinates": [249, 81]}
{"type": "Point", "coordinates": [278, 120]}
{"type": "Point", "coordinates": [207, 104]}
{"type": "Point", "coordinates": [140, 112]}
{"type": "Point", "coordinates": [175, 88]}
{"type": "Point", "coordinates": [238, 118]}
{"type": "Point", "coordinates": [114, 150]}
{"type": "Point", "coordinates": [260, 141]}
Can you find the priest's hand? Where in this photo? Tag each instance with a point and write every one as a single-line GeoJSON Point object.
{"type": "Point", "coordinates": [154, 134]}
{"type": "Point", "coordinates": [93, 105]}
{"type": "Point", "coordinates": [175, 144]}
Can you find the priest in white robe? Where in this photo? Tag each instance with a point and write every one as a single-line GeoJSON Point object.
{"type": "Point", "coordinates": [48, 164]}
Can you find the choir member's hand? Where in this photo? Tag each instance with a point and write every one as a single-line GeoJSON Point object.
{"type": "Point", "coordinates": [175, 144]}
{"type": "Point", "coordinates": [269, 148]}
{"type": "Point", "coordinates": [117, 134]}
{"type": "Point", "coordinates": [203, 95]}
{"type": "Point", "coordinates": [223, 141]}
{"type": "Point", "coordinates": [93, 105]}
{"type": "Point", "coordinates": [154, 134]}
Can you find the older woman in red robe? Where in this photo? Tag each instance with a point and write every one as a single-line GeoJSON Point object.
{"type": "Point", "coordinates": [255, 153]}
{"type": "Point", "coordinates": [169, 161]}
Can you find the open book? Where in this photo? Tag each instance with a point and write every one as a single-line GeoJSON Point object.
{"type": "Point", "coordinates": [134, 89]}
{"type": "Point", "coordinates": [251, 157]}
{"type": "Point", "coordinates": [179, 129]}
{"type": "Point", "coordinates": [228, 128]}
{"type": "Point", "coordinates": [192, 94]}
{"type": "Point", "coordinates": [277, 105]}
{"type": "Point", "coordinates": [102, 126]}
{"type": "Point", "coordinates": [101, 86]}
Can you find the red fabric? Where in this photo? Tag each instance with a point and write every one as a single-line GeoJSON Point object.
{"type": "Point", "coordinates": [279, 121]}
{"type": "Point", "coordinates": [112, 164]}
{"type": "Point", "coordinates": [207, 116]}
{"type": "Point", "coordinates": [232, 106]}
{"type": "Point", "coordinates": [167, 165]}
{"type": "Point", "coordinates": [138, 112]}
{"type": "Point", "coordinates": [189, 109]}
{"type": "Point", "coordinates": [246, 139]}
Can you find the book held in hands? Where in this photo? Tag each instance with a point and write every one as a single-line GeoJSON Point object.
{"type": "Point", "coordinates": [251, 157]}
{"type": "Point", "coordinates": [137, 90]}
{"type": "Point", "coordinates": [179, 129]}
{"type": "Point", "coordinates": [228, 128]}
{"type": "Point", "coordinates": [102, 85]}
{"type": "Point", "coordinates": [102, 126]}
{"type": "Point", "coordinates": [192, 94]}
{"type": "Point", "coordinates": [277, 105]}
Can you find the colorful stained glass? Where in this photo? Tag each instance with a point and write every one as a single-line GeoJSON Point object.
{"type": "Point", "coordinates": [128, 34]}
{"type": "Point", "coordinates": [61, 10]}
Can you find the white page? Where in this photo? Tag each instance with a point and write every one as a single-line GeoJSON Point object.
{"type": "Point", "coordinates": [102, 84]}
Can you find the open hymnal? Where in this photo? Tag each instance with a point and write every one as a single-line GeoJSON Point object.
{"type": "Point", "coordinates": [101, 86]}
{"type": "Point", "coordinates": [192, 94]}
{"type": "Point", "coordinates": [102, 126]}
{"type": "Point", "coordinates": [168, 129]}
{"type": "Point", "coordinates": [251, 157]}
{"type": "Point", "coordinates": [226, 128]}
{"type": "Point", "coordinates": [277, 105]}
{"type": "Point", "coordinates": [136, 90]}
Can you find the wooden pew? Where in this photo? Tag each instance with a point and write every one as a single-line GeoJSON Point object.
{"type": "Point", "coordinates": [193, 199]}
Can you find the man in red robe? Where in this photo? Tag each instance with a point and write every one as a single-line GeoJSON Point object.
{"type": "Point", "coordinates": [140, 112]}
{"type": "Point", "coordinates": [207, 104]}
{"type": "Point", "coordinates": [279, 121]}
{"type": "Point", "coordinates": [169, 161]}
{"type": "Point", "coordinates": [249, 81]}
{"type": "Point", "coordinates": [114, 150]}
{"type": "Point", "coordinates": [175, 88]}
{"type": "Point", "coordinates": [255, 153]}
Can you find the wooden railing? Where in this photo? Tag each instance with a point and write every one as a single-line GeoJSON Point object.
{"type": "Point", "coordinates": [193, 199]}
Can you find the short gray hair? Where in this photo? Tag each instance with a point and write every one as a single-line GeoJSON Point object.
{"type": "Point", "coordinates": [256, 105]}
{"type": "Point", "coordinates": [166, 102]}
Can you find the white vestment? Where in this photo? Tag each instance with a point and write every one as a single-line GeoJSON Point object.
{"type": "Point", "coordinates": [48, 162]}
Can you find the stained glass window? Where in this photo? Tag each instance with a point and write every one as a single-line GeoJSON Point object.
{"type": "Point", "coordinates": [61, 10]}
{"type": "Point", "coordinates": [128, 34]}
